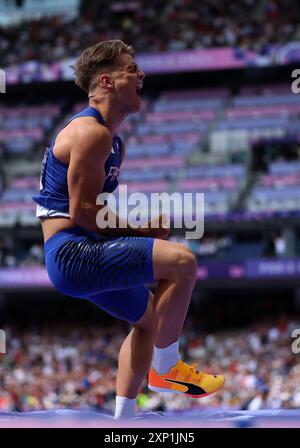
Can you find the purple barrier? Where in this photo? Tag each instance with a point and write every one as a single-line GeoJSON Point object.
{"type": "Point", "coordinates": [249, 269]}
{"type": "Point", "coordinates": [272, 268]}
{"type": "Point", "coordinates": [22, 277]}
{"type": "Point", "coordinates": [169, 62]}
{"type": "Point", "coordinates": [219, 270]}
{"type": "Point", "coordinates": [192, 60]}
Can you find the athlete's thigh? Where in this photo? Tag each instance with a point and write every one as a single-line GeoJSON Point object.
{"type": "Point", "coordinates": [82, 266]}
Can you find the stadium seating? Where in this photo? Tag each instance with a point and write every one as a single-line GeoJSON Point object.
{"type": "Point", "coordinates": [277, 191]}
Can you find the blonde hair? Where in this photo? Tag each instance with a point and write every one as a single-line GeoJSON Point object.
{"type": "Point", "coordinates": [96, 58]}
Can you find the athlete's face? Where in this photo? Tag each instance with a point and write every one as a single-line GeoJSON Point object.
{"type": "Point", "coordinates": [127, 81]}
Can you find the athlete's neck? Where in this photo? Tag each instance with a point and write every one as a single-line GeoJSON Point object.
{"type": "Point", "coordinates": [112, 118]}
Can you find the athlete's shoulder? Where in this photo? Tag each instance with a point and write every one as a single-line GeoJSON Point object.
{"type": "Point", "coordinates": [87, 136]}
{"type": "Point", "coordinates": [88, 130]}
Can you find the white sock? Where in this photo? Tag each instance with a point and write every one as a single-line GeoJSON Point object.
{"type": "Point", "coordinates": [165, 358]}
{"type": "Point", "coordinates": [125, 408]}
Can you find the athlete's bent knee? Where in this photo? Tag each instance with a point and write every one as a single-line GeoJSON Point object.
{"type": "Point", "coordinates": [173, 261]}
{"type": "Point", "coordinates": [186, 263]}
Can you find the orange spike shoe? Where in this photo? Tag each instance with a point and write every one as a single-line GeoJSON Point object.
{"type": "Point", "coordinates": [185, 379]}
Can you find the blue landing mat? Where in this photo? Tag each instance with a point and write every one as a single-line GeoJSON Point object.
{"type": "Point", "coordinates": [186, 419]}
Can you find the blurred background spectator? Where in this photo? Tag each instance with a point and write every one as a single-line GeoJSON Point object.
{"type": "Point", "coordinates": [48, 367]}
{"type": "Point", "coordinates": [153, 27]}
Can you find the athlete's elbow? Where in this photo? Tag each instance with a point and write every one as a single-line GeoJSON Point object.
{"type": "Point", "coordinates": [81, 213]}
{"type": "Point", "coordinates": [76, 213]}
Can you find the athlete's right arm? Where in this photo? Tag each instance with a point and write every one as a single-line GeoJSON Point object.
{"type": "Point", "coordinates": [91, 146]}
{"type": "Point", "coordinates": [86, 175]}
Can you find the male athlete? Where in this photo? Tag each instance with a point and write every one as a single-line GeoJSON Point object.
{"type": "Point", "coordinates": [110, 267]}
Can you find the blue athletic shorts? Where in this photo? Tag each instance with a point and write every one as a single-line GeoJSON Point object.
{"type": "Point", "coordinates": [108, 271]}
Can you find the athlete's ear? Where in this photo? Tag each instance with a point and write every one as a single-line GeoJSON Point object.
{"type": "Point", "coordinates": [105, 81]}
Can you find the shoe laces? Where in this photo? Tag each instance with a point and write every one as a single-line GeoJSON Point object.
{"type": "Point", "coordinates": [189, 371]}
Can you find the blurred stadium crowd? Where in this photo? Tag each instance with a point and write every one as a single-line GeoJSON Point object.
{"type": "Point", "coordinates": [153, 27]}
{"type": "Point", "coordinates": [75, 367]}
